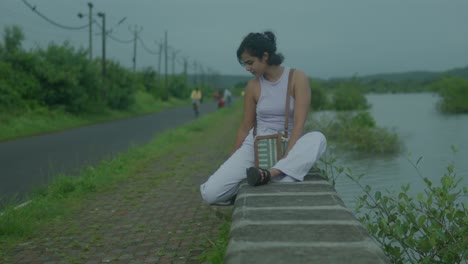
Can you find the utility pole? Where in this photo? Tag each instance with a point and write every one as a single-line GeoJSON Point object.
{"type": "Point", "coordinates": [166, 94]}
{"type": "Point", "coordinates": [174, 53]}
{"type": "Point", "coordinates": [160, 57]}
{"type": "Point", "coordinates": [135, 37]}
{"type": "Point", "coordinates": [103, 16]}
{"type": "Point", "coordinates": [185, 66]}
{"type": "Point", "coordinates": [185, 71]}
{"type": "Point", "coordinates": [195, 72]}
{"type": "Point", "coordinates": [90, 5]}
{"type": "Point", "coordinates": [202, 75]}
{"type": "Point", "coordinates": [90, 16]}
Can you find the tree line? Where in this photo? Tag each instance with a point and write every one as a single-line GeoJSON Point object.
{"type": "Point", "coordinates": [62, 77]}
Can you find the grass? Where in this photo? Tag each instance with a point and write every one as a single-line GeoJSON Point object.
{"type": "Point", "coordinates": [216, 255]}
{"type": "Point", "coordinates": [55, 203]}
{"type": "Point", "coordinates": [42, 120]}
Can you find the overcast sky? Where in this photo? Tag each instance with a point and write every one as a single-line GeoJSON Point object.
{"type": "Point", "coordinates": [325, 38]}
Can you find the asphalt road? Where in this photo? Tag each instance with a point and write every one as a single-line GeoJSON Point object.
{"type": "Point", "coordinates": [31, 162]}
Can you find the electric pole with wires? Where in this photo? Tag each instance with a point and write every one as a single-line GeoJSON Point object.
{"type": "Point", "coordinates": [135, 32]}
{"type": "Point", "coordinates": [103, 16]}
{"type": "Point", "coordinates": [90, 16]}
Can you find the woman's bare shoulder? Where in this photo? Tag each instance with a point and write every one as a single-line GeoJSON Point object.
{"type": "Point", "coordinates": [253, 87]}
{"type": "Point", "coordinates": [299, 74]}
{"type": "Point", "coordinates": [252, 83]}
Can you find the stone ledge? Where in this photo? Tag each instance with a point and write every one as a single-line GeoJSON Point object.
{"type": "Point", "coordinates": [304, 222]}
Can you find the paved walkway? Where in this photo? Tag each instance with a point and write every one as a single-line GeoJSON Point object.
{"type": "Point", "coordinates": [157, 216]}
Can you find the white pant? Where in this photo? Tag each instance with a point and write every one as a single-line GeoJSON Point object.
{"type": "Point", "coordinates": [223, 184]}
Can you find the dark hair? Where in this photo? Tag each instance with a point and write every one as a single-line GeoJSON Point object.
{"type": "Point", "coordinates": [256, 44]}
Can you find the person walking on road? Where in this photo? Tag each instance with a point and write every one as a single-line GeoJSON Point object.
{"type": "Point", "coordinates": [227, 97]}
{"type": "Point", "coordinates": [196, 97]}
{"type": "Point", "coordinates": [264, 105]}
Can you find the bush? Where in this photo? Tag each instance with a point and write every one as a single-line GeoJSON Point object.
{"type": "Point", "coordinates": [349, 96]}
{"type": "Point", "coordinates": [152, 83]}
{"type": "Point", "coordinates": [120, 87]}
{"type": "Point", "coordinates": [431, 228]}
{"type": "Point", "coordinates": [17, 89]}
{"type": "Point", "coordinates": [454, 93]}
{"type": "Point", "coordinates": [358, 132]}
{"type": "Point", "coordinates": [319, 98]}
{"type": "Point", "coordinates": [178, 87]}
{"type": "Point", "coordinates": [67, 78]}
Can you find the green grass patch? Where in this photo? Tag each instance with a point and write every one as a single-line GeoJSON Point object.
{"type": "Point", "coordinates": [43, 120]}
{"type": "Point", "coordinates": [216, 254]}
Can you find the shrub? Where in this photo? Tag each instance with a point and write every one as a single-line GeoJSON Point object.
{"type": "Point", "coordinates": [178, 87]}
{"type": "Point", "coordinates": [319, 98]}
{"type": "Point", "coordinates": [357, 131]}
{"type": "Point", "coordinates": [349, 96]}
{"type": "Point", "coordinates": [431, 228]}
{"type": "Point", "coordinates": [67, 78]}
{"type": "Point", "coordinates": [454, 94]}
{"type": "Point", "coordinates": [17, 88]}
{"type": "Point", "coordinates": [120, 87]}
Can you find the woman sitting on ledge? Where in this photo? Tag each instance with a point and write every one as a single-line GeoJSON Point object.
{"type": "Point", "coordinates": [264, 105]}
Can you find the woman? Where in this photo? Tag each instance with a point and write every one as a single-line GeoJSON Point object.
{"type": "Point", "coordinates": [264, 105]}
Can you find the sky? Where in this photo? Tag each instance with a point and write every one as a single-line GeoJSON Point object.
{"type": "Point", "coordinates": [324, 38]}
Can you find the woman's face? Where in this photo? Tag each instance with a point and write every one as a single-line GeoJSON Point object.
{"type": "Point", "coordinates": [253, 64]}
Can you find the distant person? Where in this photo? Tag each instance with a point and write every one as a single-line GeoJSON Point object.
{"type": "Point", "coordinates": [215, 96]}
{"type": "Point", "coordinates": [264, 104]}
{"type": "Point", "coordinates": [196, 97]}
{"type": "Point", "coordinates": [227, 97]}
{"type": "Point", "coordinates": [221, 102]}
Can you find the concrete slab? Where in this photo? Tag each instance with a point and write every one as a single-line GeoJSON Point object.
{"type": "Point", "coordinates": [314, 254]}
{"type": "Point", "coordinates": [324, 231]}
{"type": "Point", "coordinates": [300, 213]}
{"type": "Point", "coordinates": [303, 200]}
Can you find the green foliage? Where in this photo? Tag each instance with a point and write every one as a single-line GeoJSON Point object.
{"type": "Point", "coordinates": [357, 131]}
{"type": "Point", "coordinates": [12, 38]}
{"type": "Point", "coordinates": [67, 79]}
{"type": "Point", "coordinates": [19, 88]}
{"type": "Point", "coordinates": [152, 83]}
{"type": "Point", "coordinates": [61, 77]}
{"type": "Point", "coordinates": [329, 169]}
{"type": "Point", "coordinates": [349, 96]}
{"type": "Point", "coordinates": [319, 98]}
{"type": "Point", "coordinates": [216, 254]}
{"type": "Point", "coordinates": [429, 228]}
{"type": "Point", "coordinates": [178, 87]}
{"type": "Point", "coordinates": [454, 94]}
{"type": "Point", "coordinates": [119, 87]}
{"type": "Point", "coordinates": [11, 99]}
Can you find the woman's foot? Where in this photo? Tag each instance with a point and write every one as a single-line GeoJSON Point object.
{"type": "Point", "coordinates": [258, 176]}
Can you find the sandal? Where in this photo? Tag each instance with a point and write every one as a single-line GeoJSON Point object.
{"type": "Point", "coordinates": [258, 176]}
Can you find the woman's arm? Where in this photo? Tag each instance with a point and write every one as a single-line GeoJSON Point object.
{"type": "Point", "coordinates": [248, 119]}
{"type": "Point", "coordinates": [301, 94]}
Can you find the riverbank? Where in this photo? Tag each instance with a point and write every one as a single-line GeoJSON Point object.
{"type": "Point", "coordinates": [143, 205]}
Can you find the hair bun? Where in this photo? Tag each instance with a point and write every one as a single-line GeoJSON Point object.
{"type": "Point", "coordinates": [270, 35]}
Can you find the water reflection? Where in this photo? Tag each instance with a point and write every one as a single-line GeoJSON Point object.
{"type": "Point", "coordinates": [424, 131]}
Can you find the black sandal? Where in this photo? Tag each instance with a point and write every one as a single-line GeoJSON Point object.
{"type": "Point", "coordinates": [258, 176]}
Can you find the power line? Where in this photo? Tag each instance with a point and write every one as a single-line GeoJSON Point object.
{"type": "Point", "coordinates": [119, 40]}
{"type": "Point", "coordinates": [108, 33]}
{"type": "Point", "coordinates": [33, 8]}
{"type": "Point", "coordinates": [146, 48]}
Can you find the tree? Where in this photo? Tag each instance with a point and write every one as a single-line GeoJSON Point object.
{"type": "Point", "coordinates": [12, 38]}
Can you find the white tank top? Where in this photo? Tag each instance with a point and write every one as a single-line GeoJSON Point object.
{"type": "Point", "coordinates": [272, 103]}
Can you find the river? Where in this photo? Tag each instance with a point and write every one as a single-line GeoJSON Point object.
{"type": "Point", "coordinates": [425, 133]}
